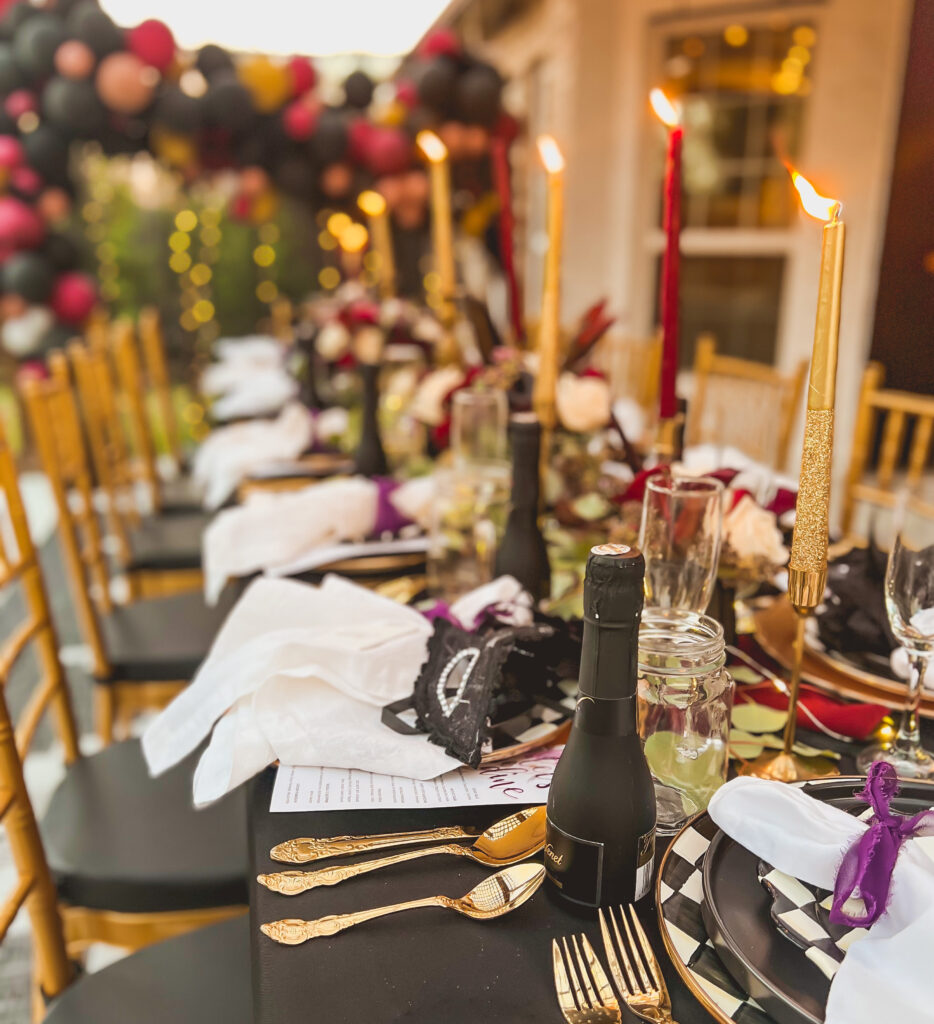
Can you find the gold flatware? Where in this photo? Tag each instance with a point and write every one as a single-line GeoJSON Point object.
{"type": "Point", "coordinates": [302, 851]}
{"type": "Point", "coordinates": [579, 1001]}
{"type": "Point", "coordinates": [507, 842]}
{"type": "Point", "coordinates": [639, 980]}
{"type": "Point", "coordinates": [494, 896]}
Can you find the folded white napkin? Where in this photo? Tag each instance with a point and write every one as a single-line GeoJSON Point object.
{"type": "Point", "coordinates": [258, 348]}
{"type": "Point", "coordinates": [229, 454]}
{"type": "Point", "coordinates": [885, 975]}
{"type": "Point", "coordinates": [276, 531]}
{"type": "Point", "coordinates": [260, 393]}
{"type": "Point", "coordinates": [238, 359]}
{"type": "Point", "coordinates": [300, 673]}
{"type": "Point", "coordinates": [760, 480]}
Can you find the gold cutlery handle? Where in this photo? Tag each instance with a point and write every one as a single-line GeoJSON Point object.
{"type": "Point", "coordinates": [291, 883]}
{"type": "Point", "coordinates": [301, 851]}
{"type": "Point", "coordinates": [293, 931]}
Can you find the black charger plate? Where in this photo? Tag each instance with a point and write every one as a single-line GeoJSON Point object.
{"type": "Point", "coordinates": [736, 911]}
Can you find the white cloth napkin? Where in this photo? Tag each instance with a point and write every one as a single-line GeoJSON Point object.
{"type": "Point", "coordinates": [300, 673]}
{"type": "Point", "coordinates": [760, 480]}
{"type": "Point", "coordinates": [238, 359]}
{"type": "Point", "coordinates": [229, 454]}
{"type": "Point", "coordinates": [257, 348]}
{"type": "Point", "coordinates": [260, 393]}
{"type": "Point", "coordinates": [885, 975]}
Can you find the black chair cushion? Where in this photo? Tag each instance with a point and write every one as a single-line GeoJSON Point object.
{"type": "Point", "coordinates": [199, 978]}
{"type": "Point", "coordinates": [118, 840]}
{"type": "Point", "coordinates": [167, 542]}
{"type": "Point", "coordinates": [162, 638]}
{"type": "Point", "coordinates": [180, 496]}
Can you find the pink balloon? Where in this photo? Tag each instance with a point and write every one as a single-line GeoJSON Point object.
{"type": "Point", "coordinates": [19, 102]}
{"type": "Point", "coordinates": [152, 41]}
{"type": "Point", "coordinates": [26, 180]}
{"type": "Point", "coordinates": [125, 84]}
{"type": "Point", "coordinates": [298, 120]}
{"type": "Point", "coordinates": [359, 135]}
{"type": "Point", "coordinates": [389, 151]}
{"type": "Point", "coordinates": [74, 59]}
{"type": "Point", "coordinates": [11, 152]}
{"type": "Point", "coordinates": [20, 226]}
{"type": "Point", "coordinates": [73, 297]}
{"type": "Point", "coordinates": [407, 93]}
{"type": "Point", "coordinates": [440, 42]}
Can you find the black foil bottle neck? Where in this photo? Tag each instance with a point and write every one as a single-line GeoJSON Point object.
{"type": "Point", "coordinates": [525, 437]}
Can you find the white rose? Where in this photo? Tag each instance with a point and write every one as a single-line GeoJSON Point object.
{"type": "Point", "coordinates": [333, 341]}
{"type": "Point", "coordinates": [752, 533]}
{"type": "Point", "coordinates": [426, 328]}
{"type": "Point", "coordinates": [331, 424]}
{"type": "Point", "coordinates": [583, 402]}
{"type": "Point", "coordinates": [428, 404]}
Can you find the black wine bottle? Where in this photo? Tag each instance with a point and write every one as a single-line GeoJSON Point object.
{"type": "Point", "coordinates": [600, 840]}
{"type": "Point", "coordinates": [370, 459]}
{"type": "Point", "coordinates": [523, 553]}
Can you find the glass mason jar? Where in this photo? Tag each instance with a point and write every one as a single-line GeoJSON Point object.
{"type": "Point", "coordinates": [685, 701]}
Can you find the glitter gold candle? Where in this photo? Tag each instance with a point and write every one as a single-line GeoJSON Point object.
{"type": "Point", "coordinates": [374, 206]}
{"type": "Point", "coordinates": [442, 229]}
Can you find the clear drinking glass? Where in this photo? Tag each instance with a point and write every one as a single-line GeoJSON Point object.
{"type": "Point", "coordinates": [680, 539]}
{"type": "Point", "coordinates": [685, 700]}
{"type": "Point", "coordinates": [468, 521]}
{"type": "Point", "coordinates": [909, 602]}
{"type": "Point", "coordinates": [478, 426]}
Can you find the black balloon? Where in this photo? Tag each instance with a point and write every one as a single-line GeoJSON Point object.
{"type": "Point", "coordinates": [47, 151]}
{"type": "Point", "coordinates": [87, 22]}
{"type": "Point", "coordinates": [296, 175]}
{"type": "Point", "coordinates": [16, 16]}
{"type": "Point", "coordinates": [178, 111]}
{"type": "Point", "coordinates": [478, 94]}
{"type": "Point", "coordinates": [435, 82]}
{"type": "Point", "coordinates": [28, 274]}
{"type": "Point", "coordinates": [358, 90]}
{"type": "Point", "coordinates": [35, 43]}
{"type": "Point", "coordinates": [329, 142]}
{"type": "Point", "coordinates": [213, 60]}
{"type": "Point", "coordinates": [11, 77]}
{"type": "Point", "coordinates": [61, 252]}
{"type": "Point", "coordinates": [57, 337]}
{"type": "Point", "coordinates": [228, 104]}
{"type": "Point", "coordinates": [74, 107]}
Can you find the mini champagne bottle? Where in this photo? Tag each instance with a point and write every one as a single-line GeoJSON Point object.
{"type": "Point", "coordinates": [370, 459]}
{"type": "Point", "coordinates": [600, 840]}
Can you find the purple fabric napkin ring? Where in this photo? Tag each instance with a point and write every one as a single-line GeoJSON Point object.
{"type": "Point", "coordinates": [866, 870]}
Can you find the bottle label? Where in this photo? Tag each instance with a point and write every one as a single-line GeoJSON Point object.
{"type": "Point", "coordinates": [574, 865]}
{"type": "Point", "coordinates": [645, 861]}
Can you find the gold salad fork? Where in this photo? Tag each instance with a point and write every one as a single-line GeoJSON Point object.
{"type": "Point", "coordinates": [639, 979]}
{"type": "Point", "coordinates": [584, 992]}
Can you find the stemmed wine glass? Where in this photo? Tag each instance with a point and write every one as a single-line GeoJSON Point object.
{"type": "Point", "coordinates": [909, 603]}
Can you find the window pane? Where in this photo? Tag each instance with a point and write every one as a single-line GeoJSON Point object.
{"type": "Point", "coordinates": [736, 298]}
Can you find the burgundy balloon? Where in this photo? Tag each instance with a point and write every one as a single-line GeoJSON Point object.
{"type": "Point", "coordinates": [74, 59]}
{"type": "Point", "coordinates": [389, 151]}
{"type": "Point", "coordinates": [26, 180]}
{"type": "Point", "coordinates": [152, 41]}
{"type": "Point", "coordinates": [73, 297]}
{"type": "Point", "coordinates": [19, 102]}
{"type": "Point", "coordinates": [21, 227]}
{"type": "Point", "coordinates": [11, 152]}
{"type": "Point", "coordinates": [441, 42]}
{"type": "Point", "coordinates": [298, 120]}
{"type": "Point", "coordinates": [359, 135]}
{"type": "Point", "coordinates": [303, 75]}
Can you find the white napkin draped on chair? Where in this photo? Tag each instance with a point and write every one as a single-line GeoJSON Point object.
{"type": "Point", "coordinates": [229, 454]}
{"type": "Point", "coordinates": [300, 674]}
{"type": "Point", "coordinates": [885, 975]}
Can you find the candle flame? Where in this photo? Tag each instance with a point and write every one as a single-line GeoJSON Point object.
{"type": "Point", "coordinates": [666, 111]}
{"type": "Point", "coordinates": [818, 206]}
{"type": "Point", "coordinates": [550, 153]}
{"type": "Point", "coordinates": [371, 203]}
{"type": "Point", "coordinates": [433, 148]}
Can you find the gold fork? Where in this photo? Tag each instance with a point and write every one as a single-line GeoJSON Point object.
{"type": "Point", "coordinates": [639, 979]}
{"type": "Point", "coordinates": [579, 1001]}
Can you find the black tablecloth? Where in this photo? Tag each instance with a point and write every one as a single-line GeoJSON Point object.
{"type": "Point", "coordinates": [427, 966]}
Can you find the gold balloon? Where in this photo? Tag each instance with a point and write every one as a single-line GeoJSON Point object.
{"type": "Point", "coordinates": [175, 150]}
{"type": "Point", "coordinates": [268, 82]}
{"type": "Point", "coordinates": [391, 115]}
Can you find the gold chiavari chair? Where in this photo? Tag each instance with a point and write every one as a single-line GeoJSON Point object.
{"type": "Point", "coordinates": [158, 555]}
{"type": "Point", "coordinates": [743, 403]}
{"type": "Point", "coordinates": [899, 412]}
{"type": "Point", "coordinates": [132, 861]}
{"type": "Point", "coordinates": [152, 342]}
{"type": "Point", "coordinates": [145, 652]}
{"type": "Point", "coordinates": [632, 367]}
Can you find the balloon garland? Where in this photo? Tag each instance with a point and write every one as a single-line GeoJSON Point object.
{"type": "Point", "coordinates": [69, 74]}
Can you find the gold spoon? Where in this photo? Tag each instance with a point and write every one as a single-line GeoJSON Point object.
{"type": "Point", "coordinates": [493, 897]}
{"type": "Point", "coordinates": [507, 842]}
{"type": "Point", "coordinates": [301, 851]}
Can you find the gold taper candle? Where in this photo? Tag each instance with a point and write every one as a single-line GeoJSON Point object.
{"type": "Point", "coordinates": [549, 328]}
{"type": "Point", "coordinates": [807, 567]}
{"type": "Point", "coordinates": [442, 229]}
{"type": "Point", "coordinates": [374, 206]}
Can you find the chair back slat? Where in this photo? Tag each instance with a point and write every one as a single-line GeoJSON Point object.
{"type": "Point", "coordinates": [895, 413]}
{"type": "Point", "coordinates": [631, 366]}
{"type": "Point", "coordinates": [53, 416]}
{"type": "Point", "coordinates": [152, 341]}
{"type": "Point", "coordinates": [733, 397]}
{"type": "Point", "coordinates": [129, 374]}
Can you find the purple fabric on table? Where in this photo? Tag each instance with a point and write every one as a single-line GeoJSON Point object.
{"type": "Point", "coordinates": [867, 866]}
{"type": "Point", "coordinates": [388, 518]}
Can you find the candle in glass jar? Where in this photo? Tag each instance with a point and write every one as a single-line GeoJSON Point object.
{"type": "Point", "coordinates": [549, 329]}
{"type": "Point", "coordinates": [671, 262]}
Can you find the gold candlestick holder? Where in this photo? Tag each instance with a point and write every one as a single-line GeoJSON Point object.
{"type": "Point", "coordinates": [665, 446]}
